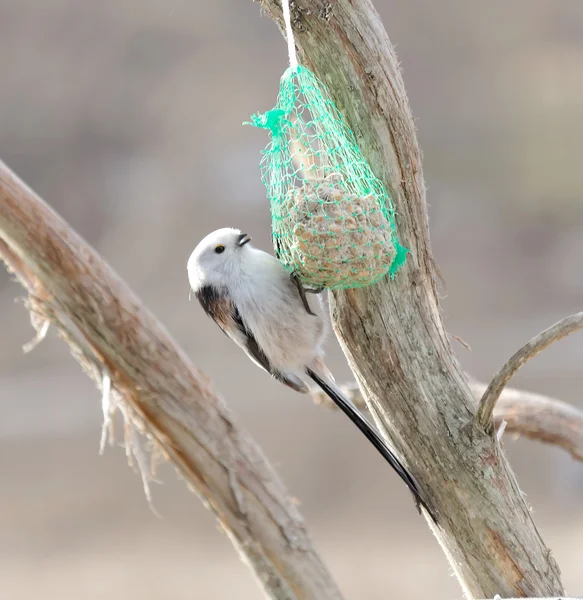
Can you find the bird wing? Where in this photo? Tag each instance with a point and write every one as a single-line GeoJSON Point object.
{"type": "Point", "coordinates": [220, 307]}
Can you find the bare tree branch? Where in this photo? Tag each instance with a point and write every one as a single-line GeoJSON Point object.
{"type": "Point", "coordinates": [537, 417]}
{"type": "Point", "coordinates": [568, 325]}
{"type": "Point", "coordinates": [162, 394]}
{"type": "Point", "coordinates": [393, 335]}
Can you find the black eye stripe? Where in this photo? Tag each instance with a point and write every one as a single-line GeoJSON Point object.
{"type": "Point", "coordinates": [219, 249]}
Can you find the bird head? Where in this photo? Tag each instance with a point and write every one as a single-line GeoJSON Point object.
{"type": "Point", "coordinates": [217, 257]}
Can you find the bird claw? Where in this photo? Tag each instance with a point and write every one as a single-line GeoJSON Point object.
{"type": "Point", "coordinates": [317, 290]}
{"type": "Point", "coordinates": [302, 293]}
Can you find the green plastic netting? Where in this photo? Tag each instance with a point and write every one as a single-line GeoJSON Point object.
{"type": "Point", "coordinates": [333, 223]}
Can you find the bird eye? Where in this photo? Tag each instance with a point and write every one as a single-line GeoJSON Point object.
{"type": "Point", "coordinates": [220, 248]}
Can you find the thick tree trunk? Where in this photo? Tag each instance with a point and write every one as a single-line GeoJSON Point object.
{"type": "Point", "coordinates": [393, 335]}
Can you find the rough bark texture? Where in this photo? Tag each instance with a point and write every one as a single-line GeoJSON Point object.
{"type": "Point", "coordinates": [534, 416]}
{"type": "Point", "coordinates": [393, 335]}
{"type": "Point", "coordinates": [157, 383]}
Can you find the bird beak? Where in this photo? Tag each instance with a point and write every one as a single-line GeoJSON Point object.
{"type": "Point", "coordinates": [243, 239]}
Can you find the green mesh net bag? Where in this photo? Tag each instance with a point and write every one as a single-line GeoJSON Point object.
{"type": "Point", "coordinates": [333, 223]}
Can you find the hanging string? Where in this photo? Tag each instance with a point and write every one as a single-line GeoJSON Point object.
{"type": "Point", "coordinates": [291, 44]}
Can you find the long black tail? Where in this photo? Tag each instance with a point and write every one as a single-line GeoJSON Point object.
{"type": "Point", "coordinates": [372, 436]}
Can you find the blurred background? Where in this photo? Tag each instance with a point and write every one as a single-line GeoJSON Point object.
{"type": "Point", "coordinates": [125, 116]}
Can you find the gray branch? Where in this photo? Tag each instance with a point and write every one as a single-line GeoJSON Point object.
{"type": "Point", "coordinates": [566, 326]}
{"type": "Point", "coordinates": [110, 332]}
{"type": "Point", "coordinates": [393, 335]}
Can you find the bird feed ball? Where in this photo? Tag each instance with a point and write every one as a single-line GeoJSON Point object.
{"type": "Point", "coordinates": [332, 236]}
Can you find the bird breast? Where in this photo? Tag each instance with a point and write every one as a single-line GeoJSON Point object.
{"type": "Point", "coordinates": [273, 310]}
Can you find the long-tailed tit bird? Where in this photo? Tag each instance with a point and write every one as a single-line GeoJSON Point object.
{"type": "Point", "coordinates": [266, 311]}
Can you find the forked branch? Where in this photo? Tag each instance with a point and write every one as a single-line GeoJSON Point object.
{"type": "Point", "coordinates": [539, 418]}
{"type": "Point", "coordinates": [484, 415]}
